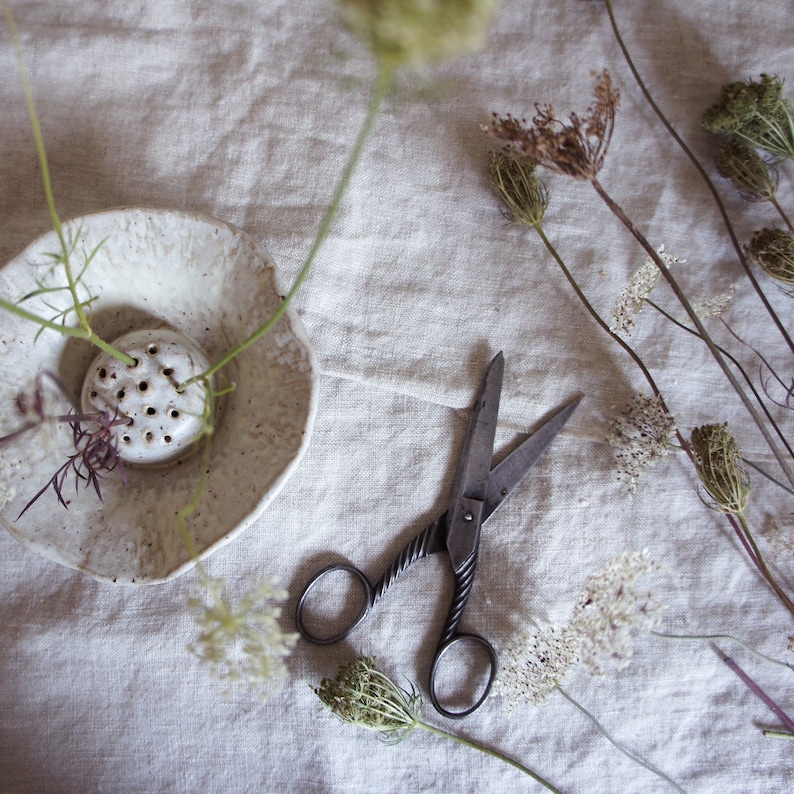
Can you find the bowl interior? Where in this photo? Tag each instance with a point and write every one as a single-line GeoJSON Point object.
{"type": "Point", "coordinates": [171, 270]}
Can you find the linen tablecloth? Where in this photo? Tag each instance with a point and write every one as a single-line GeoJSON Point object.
{"type": "Point", "coordinates": [248, 112]}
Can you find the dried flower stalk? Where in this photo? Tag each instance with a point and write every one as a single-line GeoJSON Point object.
{"type": "Point", "coordinates": [362, 695]}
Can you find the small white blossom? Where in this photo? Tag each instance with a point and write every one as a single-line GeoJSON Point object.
{"type": "Point", "coordinates": [243, 644]}
{"type": "Point", "coordinates": [714, 308]}
{"type": "Point", "coordinates": [610, 610]}
{"type": "Point", "coordinates": [640, 437]}
{"type": "Point", "coordinates": [636, 292]}
{"type": "Point", "coordinates": [534, 663]}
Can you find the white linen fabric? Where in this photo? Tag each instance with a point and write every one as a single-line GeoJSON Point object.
{"type": "Point", "coordinates": [248, 111]}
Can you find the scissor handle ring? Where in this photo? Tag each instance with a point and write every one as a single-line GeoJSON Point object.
{"type": "Point", "coordinates": [368, 590]}
{"type": "Point", "coordinates": [475, 638]}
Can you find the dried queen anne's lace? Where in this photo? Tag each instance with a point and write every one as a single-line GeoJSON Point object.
{"type": "Point", "coordinates": [608, 612]}
{"type": "Point", "coordinates": [640, 437]}
{"type": "Point", "coordinates": [636, 292]}
{"type": "Point", "coordinates": [535, 662]}
{"type": "Point", "coordinates": [611, 609]}
{"type": "Point", "coordinates": [714, 308]}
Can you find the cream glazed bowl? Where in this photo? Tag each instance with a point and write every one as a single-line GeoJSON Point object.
{"type": "Point", "coordinates": [180, 289]}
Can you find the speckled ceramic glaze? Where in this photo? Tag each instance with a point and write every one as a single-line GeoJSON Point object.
{"type": "Point", "coordinates": [164, 419]}
{"type": "Point", "coordinates": [178, 274]}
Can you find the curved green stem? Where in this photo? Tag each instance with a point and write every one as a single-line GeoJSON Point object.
{"type": "Point", "coordinates": [84, 331]}
{"type": "Point", "coordinates": [615, 743]}
{"type": "Point", "coordinates": [204, 438]}
{"type": "Point", "coordinates": [487, 751]}
{"type": "Point", "coordinates": [382, 85]}
{"type": "Point", "coordinates": [701, 171]}
{"type": "Point", "coordinates": [723, 638]}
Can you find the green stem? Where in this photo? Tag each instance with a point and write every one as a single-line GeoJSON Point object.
{"type": "Point", "coordinates": [723, 638]}
{"type": "Point", "coordinates": [193, 505]}
{"type": "Point", "coordinates": [696, 321]}
{"type": "Point", "coordinates": [487, 751]}
{"type": "Point", "coordinates": [34, 123]}
{"type": "Point", "coordinates": [778, 734]}
{"type": "Point", "coordinates": [85, 326]}
{"type": "Point", "coordinates": [615, 743]}
{"type": "Point", "coordinates": [382, 85]}
{"type": "Point", "coordinates": [80, 332]}
{"type": "Point", "coordinates": [702, 172]}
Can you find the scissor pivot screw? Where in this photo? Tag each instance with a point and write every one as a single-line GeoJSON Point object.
{"type": "Point", "coordinates": [467, 516]}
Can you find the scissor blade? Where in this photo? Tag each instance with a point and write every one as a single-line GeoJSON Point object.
{"type": "Point", "coordinates": [471, 483]}
{"type": "Point", "coordinates": [511, 471]}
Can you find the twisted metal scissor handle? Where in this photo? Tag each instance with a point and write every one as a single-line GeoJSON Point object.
{"type": "Point", "coordinates": [425, 543]}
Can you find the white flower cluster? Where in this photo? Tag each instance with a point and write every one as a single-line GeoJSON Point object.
{"type": "Point", "coordinates": [609, 611]}
{"type": "Point", "coordinates": [636, 292]}
{"type": "Point", "coordinates": [535, 662]}
{"type": "Point", "coordinates": [714, 308]}
{"type": "Point", "coordinates": [640, 437]}
{"type": "Point", "coordinates": [243, 644]}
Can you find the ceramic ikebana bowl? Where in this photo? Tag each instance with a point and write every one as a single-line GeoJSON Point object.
{"type": "Point", "coordinates": [174, 291]}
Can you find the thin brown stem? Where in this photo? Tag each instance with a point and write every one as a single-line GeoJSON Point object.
{"type": "Point", "coordinates": [762, 566]}
{"type": "Point", "coordinates": [780, 211]}
{"type": "Point", "coordinates": [703, 174]}
{"type": "Point", "coordinates": [618, 211]}
{"type": "Point", "coordinates": [740, 369]}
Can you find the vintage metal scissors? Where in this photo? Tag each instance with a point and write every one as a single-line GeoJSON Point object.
{"type": "Point", "coordinates": [477, 493]}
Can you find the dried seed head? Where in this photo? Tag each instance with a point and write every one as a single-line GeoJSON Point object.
{"type": "Point", "coordinates": [524, 197]}
{"type": "Point", "coordinates": [362, 695]}
{"type": "Point", "coordinates": [719, 467]}
{"type": "Point", "coordinates": [757, 113]}
{"type": "Point", "coordinates": [576, 147]}
{"type": "Point", "coordinates": [747, 171]}
{"type": "Point", "coordinates": [413, 33]}
{"type": "Point", "coordinates": [773, 251]}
